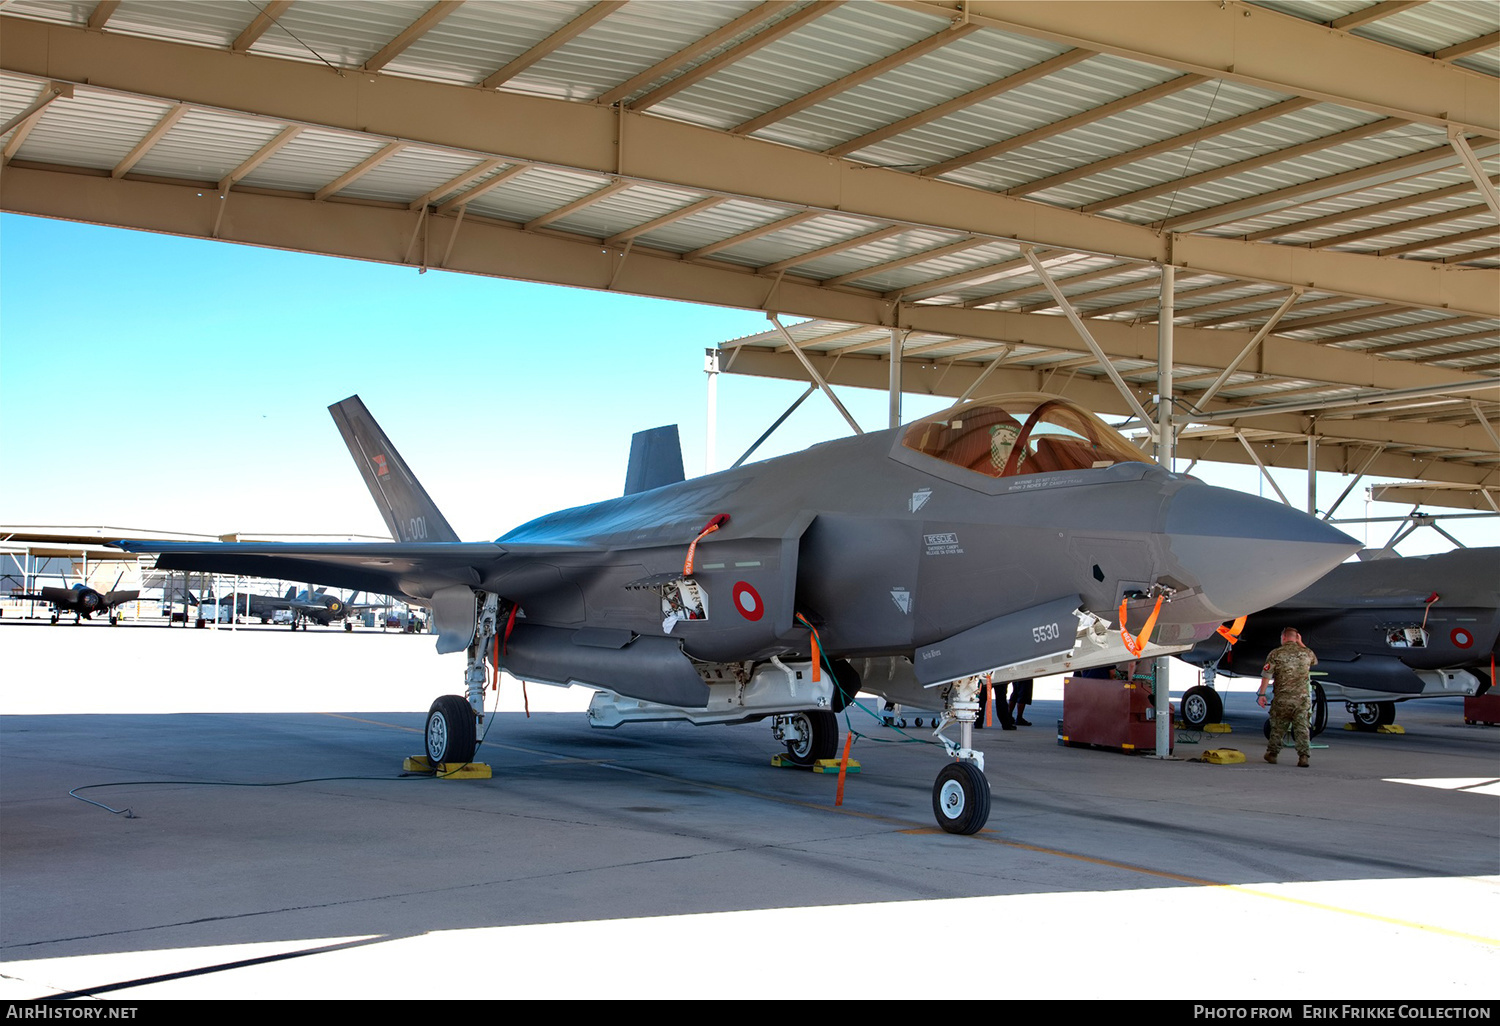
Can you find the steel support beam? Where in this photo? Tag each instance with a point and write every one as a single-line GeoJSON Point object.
{"type": "Point", "coordinates": [585, 137]}
{"type": "Point", "coordinates": [1261, 466]}
{"type": "Point", "coordinates": [816, 377]}
{"type": "Point", "coordinates": [1083, 333]}
{"type": "Point", "coordinates": [503, 250]}
{"type": "Point", "coordinates": [1476, 171]}
{"type": "Point", "coordinates": [1248, 44]}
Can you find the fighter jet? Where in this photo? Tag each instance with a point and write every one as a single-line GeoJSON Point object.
{"type": "Point", "coordinates": [82, 601]}
{"type": "Point", "coordinates": [1385, 631]}
{"type": "Point", "coordinates": [1018, 535]}
{"type": "Point", "coordinates": [306, 607]}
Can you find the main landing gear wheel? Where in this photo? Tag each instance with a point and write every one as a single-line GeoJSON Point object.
{"type": "Point", "coordinates": [1372, 715]}
{"type": "Point", "coordinates": [1201, 706]}
{"type": "Point", "coordinates": [961, 798]}
{"type": "Point", "coordinates": [814, 735]}
{"type": "Point", "coordinates": [450, 730]}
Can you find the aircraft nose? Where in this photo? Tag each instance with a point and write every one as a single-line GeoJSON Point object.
{"type": "Point", "coordinates": [1246, 553]}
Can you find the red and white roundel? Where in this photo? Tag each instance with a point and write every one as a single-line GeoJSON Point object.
{"type": "Point", "coordinates": [1461, 637]}
{"type": "Point", "coordinates": [747, 601]}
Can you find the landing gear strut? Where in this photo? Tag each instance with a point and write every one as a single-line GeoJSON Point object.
{"type": "Point", "coordinates": [452, 721]}
{"type": "Point", "coordinates": [961, 793]}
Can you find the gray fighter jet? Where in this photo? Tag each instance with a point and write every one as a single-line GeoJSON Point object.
{"type": "Point", "coordinates": [1385, 631]}
{"type": "Point", "coordinates": [306, 607]}
{"type": "Point", "coordinates": [1004, 535]}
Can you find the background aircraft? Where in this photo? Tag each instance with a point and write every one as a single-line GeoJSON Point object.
{"type": "Point", "coordinates": [306, 606]}
{"type": "Point", "coordinates": [1013, 534]}
{"type": "Point", "coordinates": [82, 601]}
{"type": "Point", "coordinates": [1385, 631]}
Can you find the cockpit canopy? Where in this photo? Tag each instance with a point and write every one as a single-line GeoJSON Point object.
{"type": "Point", "coordinates": [1021, 433]}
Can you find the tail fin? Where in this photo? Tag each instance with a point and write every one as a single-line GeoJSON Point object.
{"type": "Point", "coordinates": [409, 512]}
{"type": "Point", "coordinates": [655, 459]}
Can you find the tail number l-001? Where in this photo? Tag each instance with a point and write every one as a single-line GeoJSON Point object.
{"type": "Point", "coordinates": [1046, 632]}
{"type": "Point", "coordinates": [416, 529]}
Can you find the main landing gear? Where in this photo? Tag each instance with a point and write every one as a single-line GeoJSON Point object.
{"type": "Point", "coordinates": [1201, 706]}
{"type": "Point", "coordinates": [452, 729]}
{"type": "Point", "coordinates": [809, 736]}
{"type": "Point", "coordinates": [1368, 716]}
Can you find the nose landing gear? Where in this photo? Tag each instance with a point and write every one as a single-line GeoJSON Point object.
{"type": "Point", "coordinates": [961, 793]}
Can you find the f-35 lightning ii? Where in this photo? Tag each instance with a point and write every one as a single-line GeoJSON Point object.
{"type": "Point", "coordinates": [1385, 631]}
{"type": "Point", "coordinates": [1004, 535]}
{"type": "Point", "coordinates": [306, 607]}
{"type": "Point", "coordinates": [82, 601]}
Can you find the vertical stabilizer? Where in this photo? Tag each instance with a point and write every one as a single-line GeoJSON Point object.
{"type": "Point", "coordinates": [655, 459]}
{"type": "Point", "coordinates": [409, 512]}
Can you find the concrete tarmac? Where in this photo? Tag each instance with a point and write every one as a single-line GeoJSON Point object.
{"type": "Point", "coordinates": [273, 848]}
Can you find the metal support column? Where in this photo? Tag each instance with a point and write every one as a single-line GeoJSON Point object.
{"type": "Point", "coordinates": [1164, 456]}
{"type": "Point", "coordinates": [711, 368]}
{"type": "Point", "coordinates": [1312, 470]}
{"type": "Point", "coordinates": [895, 383]}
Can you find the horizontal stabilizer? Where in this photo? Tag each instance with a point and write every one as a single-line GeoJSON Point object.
{"type": "Point", "coordinates": [655, 459]}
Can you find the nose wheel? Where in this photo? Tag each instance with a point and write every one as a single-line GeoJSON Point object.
{"type": "Point", "coordinates": [961, 798]}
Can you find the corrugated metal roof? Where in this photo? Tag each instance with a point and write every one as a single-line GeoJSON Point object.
{"type": "Point", "coordinates": [1210, 166]}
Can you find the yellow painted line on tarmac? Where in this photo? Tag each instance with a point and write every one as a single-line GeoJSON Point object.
{"type": "Point", "coordinates": [1374, 917]}
{"type": "Point", "coordinates": [375, 723]}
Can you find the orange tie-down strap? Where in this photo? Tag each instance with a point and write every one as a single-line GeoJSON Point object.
{"type": "Point", "coordinates": [709, 528]}
{"type": "Point", "coordinates": [1232, 632]}
{"type": "Point", "coordinates": [1138, 645]}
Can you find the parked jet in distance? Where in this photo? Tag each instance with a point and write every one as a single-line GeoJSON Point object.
{"type": "Point", "coordinates": [82, 601]}
{"type": "Point", "coordinates": [306, 606]}
{"type": "Point", "coordinates": [1003, 535]}
{"type": "Point", "coordinates": [1385, 631]}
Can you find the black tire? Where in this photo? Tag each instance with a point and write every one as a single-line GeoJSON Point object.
{"type": "Point", "coordinates": [820, 737]}
{"type": "Point", "coordinates": [961, 798]}
{"type": "Point", "coordinates": [1201, 706]}
{"type": "Point", "coordinates": [1366, 715]}
{"type": "Point", "coordinates": [450, 730]}
{"type": "Point", "coordinates": [1387, 713]}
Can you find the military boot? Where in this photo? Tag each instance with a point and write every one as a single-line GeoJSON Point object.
{"type": "Point", "coordinates": [1270, 757]}
{"type": "Point", "coordinates": [1302, 761]}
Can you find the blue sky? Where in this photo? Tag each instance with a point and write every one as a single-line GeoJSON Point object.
{"type": "Point", "coordinates": [154, 382]}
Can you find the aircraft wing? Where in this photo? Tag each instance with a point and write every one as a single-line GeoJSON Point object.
{"type": "Point", "coordinates": [119, 598]}
{"type": "Point", "coordinates": [412, 570]}
{"type": "Point", "coordinates": [57, 596]}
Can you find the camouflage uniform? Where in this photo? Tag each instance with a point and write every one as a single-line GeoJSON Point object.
{"type": "Point", "coordinates": [1288, 668]}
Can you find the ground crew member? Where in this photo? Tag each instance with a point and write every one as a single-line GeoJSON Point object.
{"type": "Point", "coordinates": [1290, 666]}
